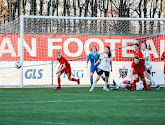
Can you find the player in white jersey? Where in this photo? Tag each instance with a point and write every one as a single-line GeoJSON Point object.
{"type": "Point", "coordinates": [105, 67]}
{"type": "Point", "coordinates": [147, 58]}
{"type": "Point", "coordinates": [127, 84]}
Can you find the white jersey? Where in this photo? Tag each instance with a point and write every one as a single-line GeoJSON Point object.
{"type": "Point", "coordinates": [105, 62]}
{"type": "Point", "coordinates": [145, 54]}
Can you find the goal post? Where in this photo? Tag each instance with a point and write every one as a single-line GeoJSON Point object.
{"type": "Point", "coordinates": [40, 37]}
{"type": "Point", "coordinates": [22, 49]}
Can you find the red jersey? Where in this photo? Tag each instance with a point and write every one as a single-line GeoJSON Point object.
{"type": "Point", "coordinates": [64, 61]}
{"type": "Point", "coordinates": [139, 66]}
{"type": "Point", "coordinates": [138, 53]}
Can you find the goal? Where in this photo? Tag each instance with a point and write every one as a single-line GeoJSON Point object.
{"type": "Point", "coordinates": [35, 40]}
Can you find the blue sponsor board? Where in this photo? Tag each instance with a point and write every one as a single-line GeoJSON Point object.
{"type": "Point", "coordinates": [34, 74]}
{"type": "Point", "coordinates": [76, 73]}
{"type": "Point", "coordinates": [38, 74]}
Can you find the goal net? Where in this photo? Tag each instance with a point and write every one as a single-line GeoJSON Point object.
{"type": "Point", "coordinates": [35, 40]}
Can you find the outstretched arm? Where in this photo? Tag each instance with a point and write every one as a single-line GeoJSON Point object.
{"type": "Point", "coordinates": [88, 58]}
{"type": "Point", "coordinates": [111, 65]}
{"type": "Point", "coordinates": [87, 61]}
{"type": "Point", "coordinates": [97, 62]}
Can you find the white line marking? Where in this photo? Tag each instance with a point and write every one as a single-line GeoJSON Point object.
{"type": "Point", "coordinates": [73, 101]}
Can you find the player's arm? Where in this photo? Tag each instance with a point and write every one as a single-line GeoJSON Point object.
{"type": "Point", "coordinates": [59, 66]}
{"type": "Point", "coordinates": [63, 67]}
{"type": "Point", "coordinates": [87, 61]}
{"type": "Point", "coordinates": [141, 56]}
{"type": "Point", "coordinates": [146, 58]}
{"type": "Point", "coordinates": [97, 62]}
{"type": "Point", "coordinates": [111, 65]}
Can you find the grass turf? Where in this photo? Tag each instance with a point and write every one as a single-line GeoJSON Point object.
{"type": "Point", "coordinates": [74, 106]}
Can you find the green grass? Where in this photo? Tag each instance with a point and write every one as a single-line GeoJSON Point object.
{"type": "Point", "coordinates": [74, 106]}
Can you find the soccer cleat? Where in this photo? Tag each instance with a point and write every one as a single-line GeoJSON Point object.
{"type": "Point", "coordinates": [108, 86]}
{"type": "Point", "coordinates": [78, 82]}
{"type": "Point", "coordinates": [58, 88]}
{"type": "Point", "coordinates": [106, 89]}
{"type": "Point", "coordinates": [91, 90]}
{"type": "Point", "coordinates": [158, 87]}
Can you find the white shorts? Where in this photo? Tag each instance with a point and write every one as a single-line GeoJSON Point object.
{"type": "Point", "coordinates": [139, 85]}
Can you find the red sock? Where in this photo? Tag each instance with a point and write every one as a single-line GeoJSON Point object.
{"type": "Point", "coordinates": [133, 86]}
{"type": "Point", "coordinates": [59, 82]}
{"type": "Point", "coordinates": [73, 79]}
{"type": "Point", "coordinates": [134, 83]}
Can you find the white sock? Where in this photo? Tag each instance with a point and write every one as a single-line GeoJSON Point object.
{"type": "Point", "coordinates": [121, 85]}
{"type": "Point", "coordinates": [95, 82]}
{"type": "Point", "coordinates": [105, 85]}
{"type": "Point", "coordinates": [153, 81]}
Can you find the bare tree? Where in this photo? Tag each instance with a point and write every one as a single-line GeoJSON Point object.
{"type": "Point", "coordinates": [152, 15]}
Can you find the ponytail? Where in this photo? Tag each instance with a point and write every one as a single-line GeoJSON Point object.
{"type": "Point", "coordinates": [109, 54]}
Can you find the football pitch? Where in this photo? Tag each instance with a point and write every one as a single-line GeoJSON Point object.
{"type": "Point", "coordinates": [78, 106]}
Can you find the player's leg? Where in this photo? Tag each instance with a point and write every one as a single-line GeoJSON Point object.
{"type": "Point", "coordinates": [102, 76]}
{"type": "Point", "coordinates": [122, 85]}
{"type": "Point", "coordinates": [144, 82]}
{"type": "Point", "coordinates": [59, 80]}
{"type": "Point", "coordinates": [136, 79]}
{"type": "Point", "coordinates": [116, 85]}
{"type": "Point", "coordinates": [68, 73]}
{"type": "Point", "coordinates": [100, 72]}
{"type": "Point", "coordinates": [148, 76]}
{"type": "Point", "coordinates": [95, 82]}
{"type": "Point", "coordinates": [148, 83]}
{"type": "Point", "coordinates": [91, 78]}
{"type": "Point", "coordinates": [142, 77]}
{"type": "Point", "coordinates": [106, 81]}
{"type": "Point", "coordinates": [91, 74]}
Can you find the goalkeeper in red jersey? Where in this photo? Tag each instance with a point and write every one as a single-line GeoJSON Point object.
{"type": "Point", "coordinates": [64, 67]}
{"type": "Point", "coordinates": [137, 71]}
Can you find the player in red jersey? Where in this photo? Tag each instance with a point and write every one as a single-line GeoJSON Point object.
{"type": "Point", "coordinates": [65, 67]}
{"type": "Point", "coordinates": [137, 71]}
{"type": "Point", "coordinates": [137, 51]}
{"type": "Point", "coordinates": [163, 58]}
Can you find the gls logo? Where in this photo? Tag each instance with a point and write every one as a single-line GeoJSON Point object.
{"type": "Point", "coordinates": [33, 74]}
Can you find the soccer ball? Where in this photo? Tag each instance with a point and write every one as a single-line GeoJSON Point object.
{"type": "Point", "coordinates": [17, 65]}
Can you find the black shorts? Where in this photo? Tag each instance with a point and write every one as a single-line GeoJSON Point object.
{"type": "Point", "coordinates": [100, 72]}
